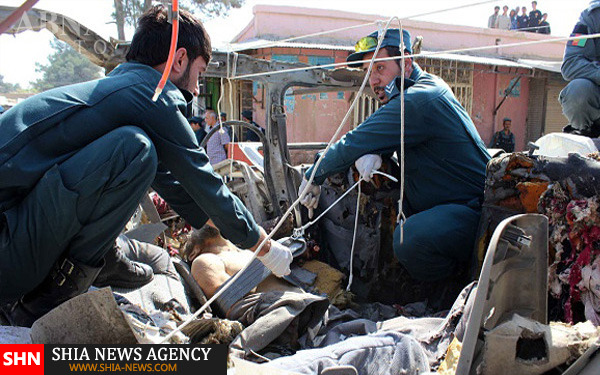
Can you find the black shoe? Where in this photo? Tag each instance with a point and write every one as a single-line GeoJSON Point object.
{"type": "Point", "coordinates": [67, 279]}
{"type": "Point", "coordinates": [121, 272]}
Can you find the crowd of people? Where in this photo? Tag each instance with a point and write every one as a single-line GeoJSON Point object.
{"type": "Point", "coordinates": [518, 19]}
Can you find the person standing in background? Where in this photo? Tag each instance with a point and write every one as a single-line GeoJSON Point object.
{"type": "Point", "coordinates": [544, 27]}
{"type": "Point", "coordinates": [535, 16]}
{"type": "Point", "coordinates": [513, 19]}
{"type": "Point", "coordinates": [493, 20]}
{"type": "Point", "coordinates": [504, 139]}
{"type": "Point", "coordinates": [504, 19]}
{"type": "Point", "coordinates": [523, 19]}
{"type": "Point", "coordinates": [216, 145]}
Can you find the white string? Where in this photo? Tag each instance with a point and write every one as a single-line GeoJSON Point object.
{"type": "Point", "coordinates": [315, 167]}
{"type": "Point", "coordinates": [292, 206]}
{"type": "Point", "coordinates": [314, 221]}
{"type": "Point", "coordinates": [233, 72]}
{"type": "Point", "coordinates": [402, 73]}
{"type": "Point", "coordinates": [232, 140]}
{"type": "Point", "coordinates": [278, 42]}
{"type": "Point", "coordinates": [423, 54]}
{"type": "Point", "coordinates": [356, 215]}
{"type": "Point", "coordinates": [222, 88]}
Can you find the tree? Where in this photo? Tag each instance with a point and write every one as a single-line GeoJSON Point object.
{"type": "Point", "coordinates": [6, 87]}
{"type": "Point", "coordinates": [66, 66]}
{"type": "Point", "coordinates": [128, 11]}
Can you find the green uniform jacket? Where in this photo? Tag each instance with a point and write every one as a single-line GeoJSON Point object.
{"type": "Point", "coordinates": [48, 128]}
{"type": "Point", "coordinates": [581, 59]}
{"type": "Point", "coordinates": [445, 158]}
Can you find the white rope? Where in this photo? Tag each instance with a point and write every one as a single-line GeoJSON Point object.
{"type": "Point", "coordinates": [278, 42]}
{"type": "Point", "coordinates": [315, 167]}
{"type": "Point", "coordinates": [356, 215]}
{"type": "Point", "coordinates": [233, 73]}
{"type": "Point", "coordinates": [222, 89]}
{"type": "Point", "coordinates": [423, 54]}
{"type": "Point", "coordinates": [289, 210]}
{"type": "Point", "coordinates": [232, 140]}
{"type": "Point", "coordinates": [314, 221]}
{"type": "Point", "coordinates": [229, 72]}
{"type": "Point", "coordinates": [402, 73]}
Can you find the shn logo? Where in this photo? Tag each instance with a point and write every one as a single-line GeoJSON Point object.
{"type": "Point", "coordinates": [21, 358]}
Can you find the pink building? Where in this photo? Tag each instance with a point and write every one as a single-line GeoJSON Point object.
{"type": "Point", "coordinates": [521, 83]}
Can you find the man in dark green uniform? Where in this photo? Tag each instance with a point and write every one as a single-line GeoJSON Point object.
{"type": "Point", "coordinates": [75, 161]}
{"type": "Point", "coordinates": [445, 160]}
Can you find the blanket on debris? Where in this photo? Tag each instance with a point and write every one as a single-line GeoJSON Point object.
{"type": "Point", "coordinates": [275, 317]}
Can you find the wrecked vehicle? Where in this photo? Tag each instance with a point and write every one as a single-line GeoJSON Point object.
{"type": "Point", "coordinates": [496, 325]}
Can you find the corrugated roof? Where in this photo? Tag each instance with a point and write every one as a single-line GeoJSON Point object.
{"type": "Point", "coordinates": [264, 43]}
{"type": "Point", "coordinates": [552, 66]}
{"type": "Point", "coordinates": [474, 59]}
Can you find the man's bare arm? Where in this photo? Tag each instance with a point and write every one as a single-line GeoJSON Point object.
{"type": "Point", "coordinates": [209, 272]}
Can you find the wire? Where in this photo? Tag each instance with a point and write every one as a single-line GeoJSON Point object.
{"type": "Point", "coordinates": [172, 49]}
{"type": "Point", "coordinates": [402, 74]}
{"type": "Point", "coordinates": [425, 54]}
{"type": "Point", "coordinates": [314, 221]}
{"type": "Point", "coordinates": [292, 206]}
{"type": "Point", "coordinates": [316, 165]}
{"type": "Point", "coordinates": [351, 277]}
{"type": "Point", "coordinates": [276, 43]}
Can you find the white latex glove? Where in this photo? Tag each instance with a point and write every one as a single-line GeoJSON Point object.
{"type": "Point", "coordinates": [366, 164]}
{"type": "Point", "coordinates": [278, 259]}
{"type": "Point", "coordinates": [311, 199]}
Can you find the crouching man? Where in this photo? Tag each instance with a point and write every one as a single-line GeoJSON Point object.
{"type": "Point", "coordinates": [75, 161]}
{"type": "Point", "coordinates": [444, 159]}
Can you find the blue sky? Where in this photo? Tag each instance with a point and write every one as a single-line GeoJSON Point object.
{"type": "Point", "coordinates": [18, 54]}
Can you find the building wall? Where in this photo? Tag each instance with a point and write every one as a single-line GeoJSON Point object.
{"type": "Point", "coordinates": [279, 22]}
{"type": "Point", "coordinates": [315, 117]}
{"type": "Point", "coordinates": [309, 117]}
{"type": "Point", "coordinates": [488, 90]}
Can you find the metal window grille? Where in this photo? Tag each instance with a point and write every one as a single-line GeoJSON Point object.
{"type": "Point", "coordinates": [458, 75]}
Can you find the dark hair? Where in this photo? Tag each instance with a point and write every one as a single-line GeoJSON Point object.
{"type": "Point", "coordinates": [152, 38]}
{"type": "Point", "coordinates": [198, 238]}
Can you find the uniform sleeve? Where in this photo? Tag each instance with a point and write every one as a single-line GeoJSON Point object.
{"type": "Point", "coordinates": [579, 60]}
{"type": "Point", "coordinates": [187, 179]}
{"type": "Point", "coordinates": [379, 134]}
{"type": "Point", "coordinates": [178, 198]}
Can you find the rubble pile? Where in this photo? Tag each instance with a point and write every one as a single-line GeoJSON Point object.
{"type": "Point", "coordinates": [574, 238]}
{"type": "Point", "coordinates": [567, 192]}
